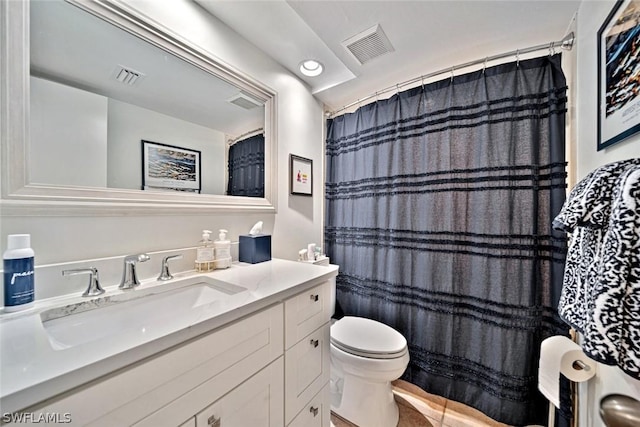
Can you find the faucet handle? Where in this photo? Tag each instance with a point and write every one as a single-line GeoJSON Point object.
{"type": "Point", "coordinates": [165, 274]}
{"type": "Point", "coordinates": [94, 283]}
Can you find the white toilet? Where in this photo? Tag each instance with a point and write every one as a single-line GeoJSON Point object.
{"type": "Point", "coordinates": [365, 357]}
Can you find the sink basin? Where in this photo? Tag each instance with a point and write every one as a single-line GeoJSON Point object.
{"type": "Point", "coordinates": [143, 311]}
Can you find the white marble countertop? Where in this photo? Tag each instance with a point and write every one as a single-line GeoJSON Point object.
{"type": "Point", "coordinates": [32, 369]}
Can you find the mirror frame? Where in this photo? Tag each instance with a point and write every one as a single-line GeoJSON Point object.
{"type": "Point", "coordinates": [20, 197]}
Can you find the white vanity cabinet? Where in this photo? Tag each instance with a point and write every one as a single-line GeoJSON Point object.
{"type": "Point", "coordinates": [264, 367]}
{"type": "Point", "coordinates": [306, 356]}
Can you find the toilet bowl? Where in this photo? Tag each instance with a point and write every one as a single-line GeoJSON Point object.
{"type": "Point", "coordinates": [365, 357]}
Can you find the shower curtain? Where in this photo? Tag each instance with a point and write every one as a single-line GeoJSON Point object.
{"type": "Point", "coordinates": [439, 203]}
{"type": "Point", "coordinates": [246, 167]}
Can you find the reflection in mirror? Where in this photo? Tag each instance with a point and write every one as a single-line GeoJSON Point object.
{"type": "Point", "coordinates": [246, 166]}
{"type": "Point", "coordinates": [98, 91]}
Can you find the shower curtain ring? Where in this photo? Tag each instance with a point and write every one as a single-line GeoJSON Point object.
{"type": "Point", "coordinates": [551, 50]}
{"type": "Point", "coordinates": [517, 57]}
{"type": "Point", "coordinates": [398, 89]}
{"type": "Point", "coordinates": [452, 69]}
{"type": "Point", "coordinates": [484, 67]}
{"type": "Point", "coordinates": [422, 81]}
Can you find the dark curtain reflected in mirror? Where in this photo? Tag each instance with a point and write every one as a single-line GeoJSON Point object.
{"type": "Point", "coordinates": [246, 167]}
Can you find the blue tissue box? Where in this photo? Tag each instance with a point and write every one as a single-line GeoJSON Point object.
{"type": "Point", "coordinates": [255, 248]}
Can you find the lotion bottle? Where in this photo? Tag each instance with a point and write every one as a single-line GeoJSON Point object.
{"type": "Point", "coordinates": [204, 253]}
{"type": "Point", "coordinates": [18, 267]}
{"type": "Point", "coordinates": [222, 250]}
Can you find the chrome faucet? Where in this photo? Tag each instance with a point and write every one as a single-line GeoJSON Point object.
{"type": "Point", "coordinates": [164, 270]}
{"type": "Point", "coordinates": [129, 276]}
{"type": "Point", "coordinates": [94, 283]}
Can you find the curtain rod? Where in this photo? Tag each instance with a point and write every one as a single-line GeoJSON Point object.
{"type": "Point", "coordinates": [566, 43]}
{"type": "Point", "coordinates": [236, 139]}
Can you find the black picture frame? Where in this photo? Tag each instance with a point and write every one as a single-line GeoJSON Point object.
{"type": "Point", "coordinates": [301, 175]}
{"type": "Point", "coordinates": [170, 168]}
{"type": "Point", "coordinates": [618, 102]}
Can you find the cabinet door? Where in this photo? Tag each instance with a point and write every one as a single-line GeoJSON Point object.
{"type": "Point", "coordinates": [306, 370]}
{"type": "Point", "coordinates": [316, 413]}
{"type": "Point", "coordinates": [306, 312]}
{"type": "Point", "coordinates": [256, 403]}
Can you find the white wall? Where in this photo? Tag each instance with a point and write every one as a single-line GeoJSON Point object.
{"type": "Point", "coordinates": [68, 135]}
{"type": "Point", "coordinates": [298, 221]}
{"type": "Point", "coordinates": [590, 16]}
{"type": "Point", "coordinates": [129, 124]}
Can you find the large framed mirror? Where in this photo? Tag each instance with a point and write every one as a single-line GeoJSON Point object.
{"type": "Point", "coordinates": [109, 112]}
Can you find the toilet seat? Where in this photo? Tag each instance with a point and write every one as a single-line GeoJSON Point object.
{"type": "Point", "coordinates": [367, 338]}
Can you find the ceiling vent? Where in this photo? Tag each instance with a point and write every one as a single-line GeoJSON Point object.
{"type": "Point", "coordinates": [368, 44]}
{"type": "Point", "coordinates": [244, 100]}
{"type": "Point", "coordinates": [127, 75]}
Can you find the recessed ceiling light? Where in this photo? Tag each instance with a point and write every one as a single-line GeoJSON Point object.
{"type": "Point", "coordinates": [311, 68]}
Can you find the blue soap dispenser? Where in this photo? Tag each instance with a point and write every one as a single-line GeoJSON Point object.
{"type": "Point", "coordinates": [18, 267]}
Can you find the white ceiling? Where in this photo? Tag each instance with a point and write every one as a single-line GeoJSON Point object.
{"type": "Point", "coordinates": [427, 35]}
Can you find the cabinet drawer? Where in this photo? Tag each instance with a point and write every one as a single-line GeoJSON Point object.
{"type": "Point", "coordinates": [306, 312]}
{"type": "Point", "coordinates": [257, 402]}
{"type": "Point", "coordinates": [316, 413]}
{"type": "Point", "coordinates": [306, 370]}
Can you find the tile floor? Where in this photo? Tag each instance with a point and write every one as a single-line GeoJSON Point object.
{"type": "Point", "coordinates": [421, 409]}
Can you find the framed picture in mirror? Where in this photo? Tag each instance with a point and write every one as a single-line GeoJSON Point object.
{"type": "Point", "coordinates": [167, 167]}
{"type": "Point", "coordinates": [301, 175]}
{"type": "Point", "coordinates": [619, 74]}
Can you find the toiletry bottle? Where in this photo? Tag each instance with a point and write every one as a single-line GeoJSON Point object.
{"type": "Point", "coordinates": [204, 253]}
{"type": "Point", "coordinates": [18, 273]}
{"type": "Point", "coordinates": [223, 250]}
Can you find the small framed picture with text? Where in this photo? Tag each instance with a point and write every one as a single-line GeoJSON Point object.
{"type": "Point", "coordinates": [301, 171]}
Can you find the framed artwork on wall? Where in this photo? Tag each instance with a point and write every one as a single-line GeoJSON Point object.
{"type": "Point", "coordinates": [619, 74]}
{"type": "Point", "coordinates": [301, 175]}
{"type": "Point", "coordinates": [167, 167]}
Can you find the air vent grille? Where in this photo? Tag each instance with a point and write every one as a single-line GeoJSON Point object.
{"type": "Point", "coordinates": [369, 44]}
{"type": "Point", "coordinates": [127, 75]}
{"type": "Point", "coordinates": [245, 101]}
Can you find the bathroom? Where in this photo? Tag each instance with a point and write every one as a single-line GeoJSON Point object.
{"type": "Point", "coordinates": [67, 233]}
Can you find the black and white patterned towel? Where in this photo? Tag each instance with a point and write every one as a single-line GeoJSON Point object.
{"type": "Point", "coordinates": [612, 335]}
{"type": "Point", "coordinates": [586, 214]}
{"type": "Point", "coordinates": [600, 295]}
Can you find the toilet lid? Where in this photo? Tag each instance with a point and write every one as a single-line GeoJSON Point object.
{"type": "Point", "coordinates": [367, 338]}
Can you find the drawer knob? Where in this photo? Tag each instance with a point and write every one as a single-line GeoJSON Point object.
{"type": "Point", "coordinates": [314, 343]}
{"type": "Point", "coordinates": [314, 297]}
{"type": "Point", "coordinates": [314, 411]}
{"type": "Point", "coordinates": [213, 421]}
